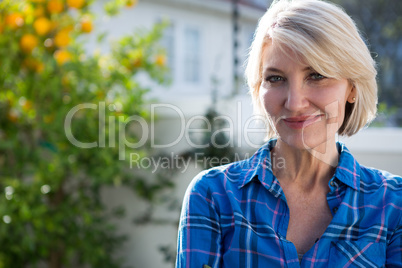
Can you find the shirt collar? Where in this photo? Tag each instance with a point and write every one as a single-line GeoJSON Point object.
{"type": "Point", "coordinates": [259, 166]}
{"type": "Point", "coordinates": [348, 170]}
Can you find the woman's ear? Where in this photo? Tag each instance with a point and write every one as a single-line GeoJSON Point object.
{"type": "Point", "coordinates": [352, 95]}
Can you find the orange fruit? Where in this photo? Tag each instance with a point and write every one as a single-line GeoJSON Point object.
{"type": "Point", "coordinates": [62, 38]}
{"type": "Point", "coordinates": [68, 28]}
{"type": "Point", "coordinates": [14, 20]}
{"type": "Point", "coordinates": [29, 63]}
{"type": "Point", "coordinates": [42, 26]}
{"type": "Point", "coordinates": [39, 67]}
{"type": "Point", "coordinates": [131, 3]}
{"type": "Point", "coordinates": [27, 105]}
{"type": "Point", "coordinates": [75, 3]}
{"type": "Point", "coordinates": [86, 26]}
{"type": "Point", "coordinates": [33, 65]}
{"type": "Point", "coordinates": [13, 116]}
{"type": "Point", "coordinates": [39, 11]}
{"type": "Point", "coordinates": [137, 57]}
{"type": "Point", "coordinates": [160, 60]}
{"type": "Point", "coordinates": [62, 56]}
{"type": "Point", "coordinates": [65, 81]}
{"type": "Point", "coordinates": [28, 42]}
{"type": "Point", "coordinates": [137, 63]}
{"type": "Point", "coordinates": [55, 6]}
{"type": "Point", "coordinates": [48, 118]}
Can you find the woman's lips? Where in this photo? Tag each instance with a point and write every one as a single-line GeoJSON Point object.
{"type": "Point", "coordinates": [299, 122]}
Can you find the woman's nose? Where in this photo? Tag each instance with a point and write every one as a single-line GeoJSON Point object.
{"type": "Point", "coordinates": [296, 99]}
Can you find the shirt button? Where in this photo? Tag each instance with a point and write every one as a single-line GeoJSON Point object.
{"type": "Point", "coordinates": [332, 183]}
{"type": "Point", "coordinates": [335, 209]}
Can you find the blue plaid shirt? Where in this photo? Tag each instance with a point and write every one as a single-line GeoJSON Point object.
{"type": "Point", "coordinates": [236, 216]}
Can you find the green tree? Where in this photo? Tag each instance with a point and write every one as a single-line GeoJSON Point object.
{"type": "Point", "coordinates": [51, 210]}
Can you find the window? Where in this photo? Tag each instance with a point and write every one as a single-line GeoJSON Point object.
{"type": "Point", "coordinates": [192, 53]}
{"type": "Point", "coordinates": [168, 43]}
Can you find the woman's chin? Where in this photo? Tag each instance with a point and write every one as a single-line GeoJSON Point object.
{"type": "Point", "coordinates": [305, 140]}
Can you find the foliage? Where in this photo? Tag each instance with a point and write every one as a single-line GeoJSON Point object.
{"type": "Point", "coordinates": [51, 210]}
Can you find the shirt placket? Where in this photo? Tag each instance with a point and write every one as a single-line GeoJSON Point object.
{"type": "Point", "coordinates": [290, 257]}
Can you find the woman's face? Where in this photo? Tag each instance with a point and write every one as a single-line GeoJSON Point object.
{"type": "Point", "coordinates": [306, 108]}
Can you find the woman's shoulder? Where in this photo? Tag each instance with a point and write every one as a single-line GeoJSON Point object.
{"type": "Point", "coordinates": [217, 187]}
{"type": "Point", "coordinates": [380, 177]}
{"type": "Point", "coordinates": [377, 182]}
{"type": "Point", "coordinates": [370, 179]}
{"type": "Point", "coordinates": [232, 175]}
{"type": "Point", "coordinates": [220, 177]}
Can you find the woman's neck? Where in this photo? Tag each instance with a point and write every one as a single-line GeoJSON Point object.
{"type": "Point", "coordinates": [307, 168]}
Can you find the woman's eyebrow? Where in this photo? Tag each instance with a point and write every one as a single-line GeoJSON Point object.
{"type": "Point", "coordinates": [276, 70]}
{"type": "Point", "coordinates": [272, 69]}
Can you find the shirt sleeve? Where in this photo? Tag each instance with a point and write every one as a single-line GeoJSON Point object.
{"type": "Point", "coordinates": [199, 234]}
{"type": "Point", "coordinates": [394, 249]}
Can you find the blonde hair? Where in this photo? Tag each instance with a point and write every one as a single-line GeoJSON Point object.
{"type": "Point", "coordinates": [327, 39]}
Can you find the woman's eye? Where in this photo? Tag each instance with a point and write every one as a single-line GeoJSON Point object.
{"type": "Point", "coordinates": [316, 76]}
{"type": "Point", "coordinates": [274, 78]}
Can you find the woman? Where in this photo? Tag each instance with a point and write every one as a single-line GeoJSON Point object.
{"type": "Point", "coordinates": [313, 77]}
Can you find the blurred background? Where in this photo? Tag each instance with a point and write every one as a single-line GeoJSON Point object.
{"type": "Point", "coordinates": [108, 109]}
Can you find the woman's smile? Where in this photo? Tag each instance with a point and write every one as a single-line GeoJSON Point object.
{"type": "Point", "coordinates": [300, 122]}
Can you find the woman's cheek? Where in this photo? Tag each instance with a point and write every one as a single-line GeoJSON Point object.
{"type": "Point", "coordinates": [264, 98]}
